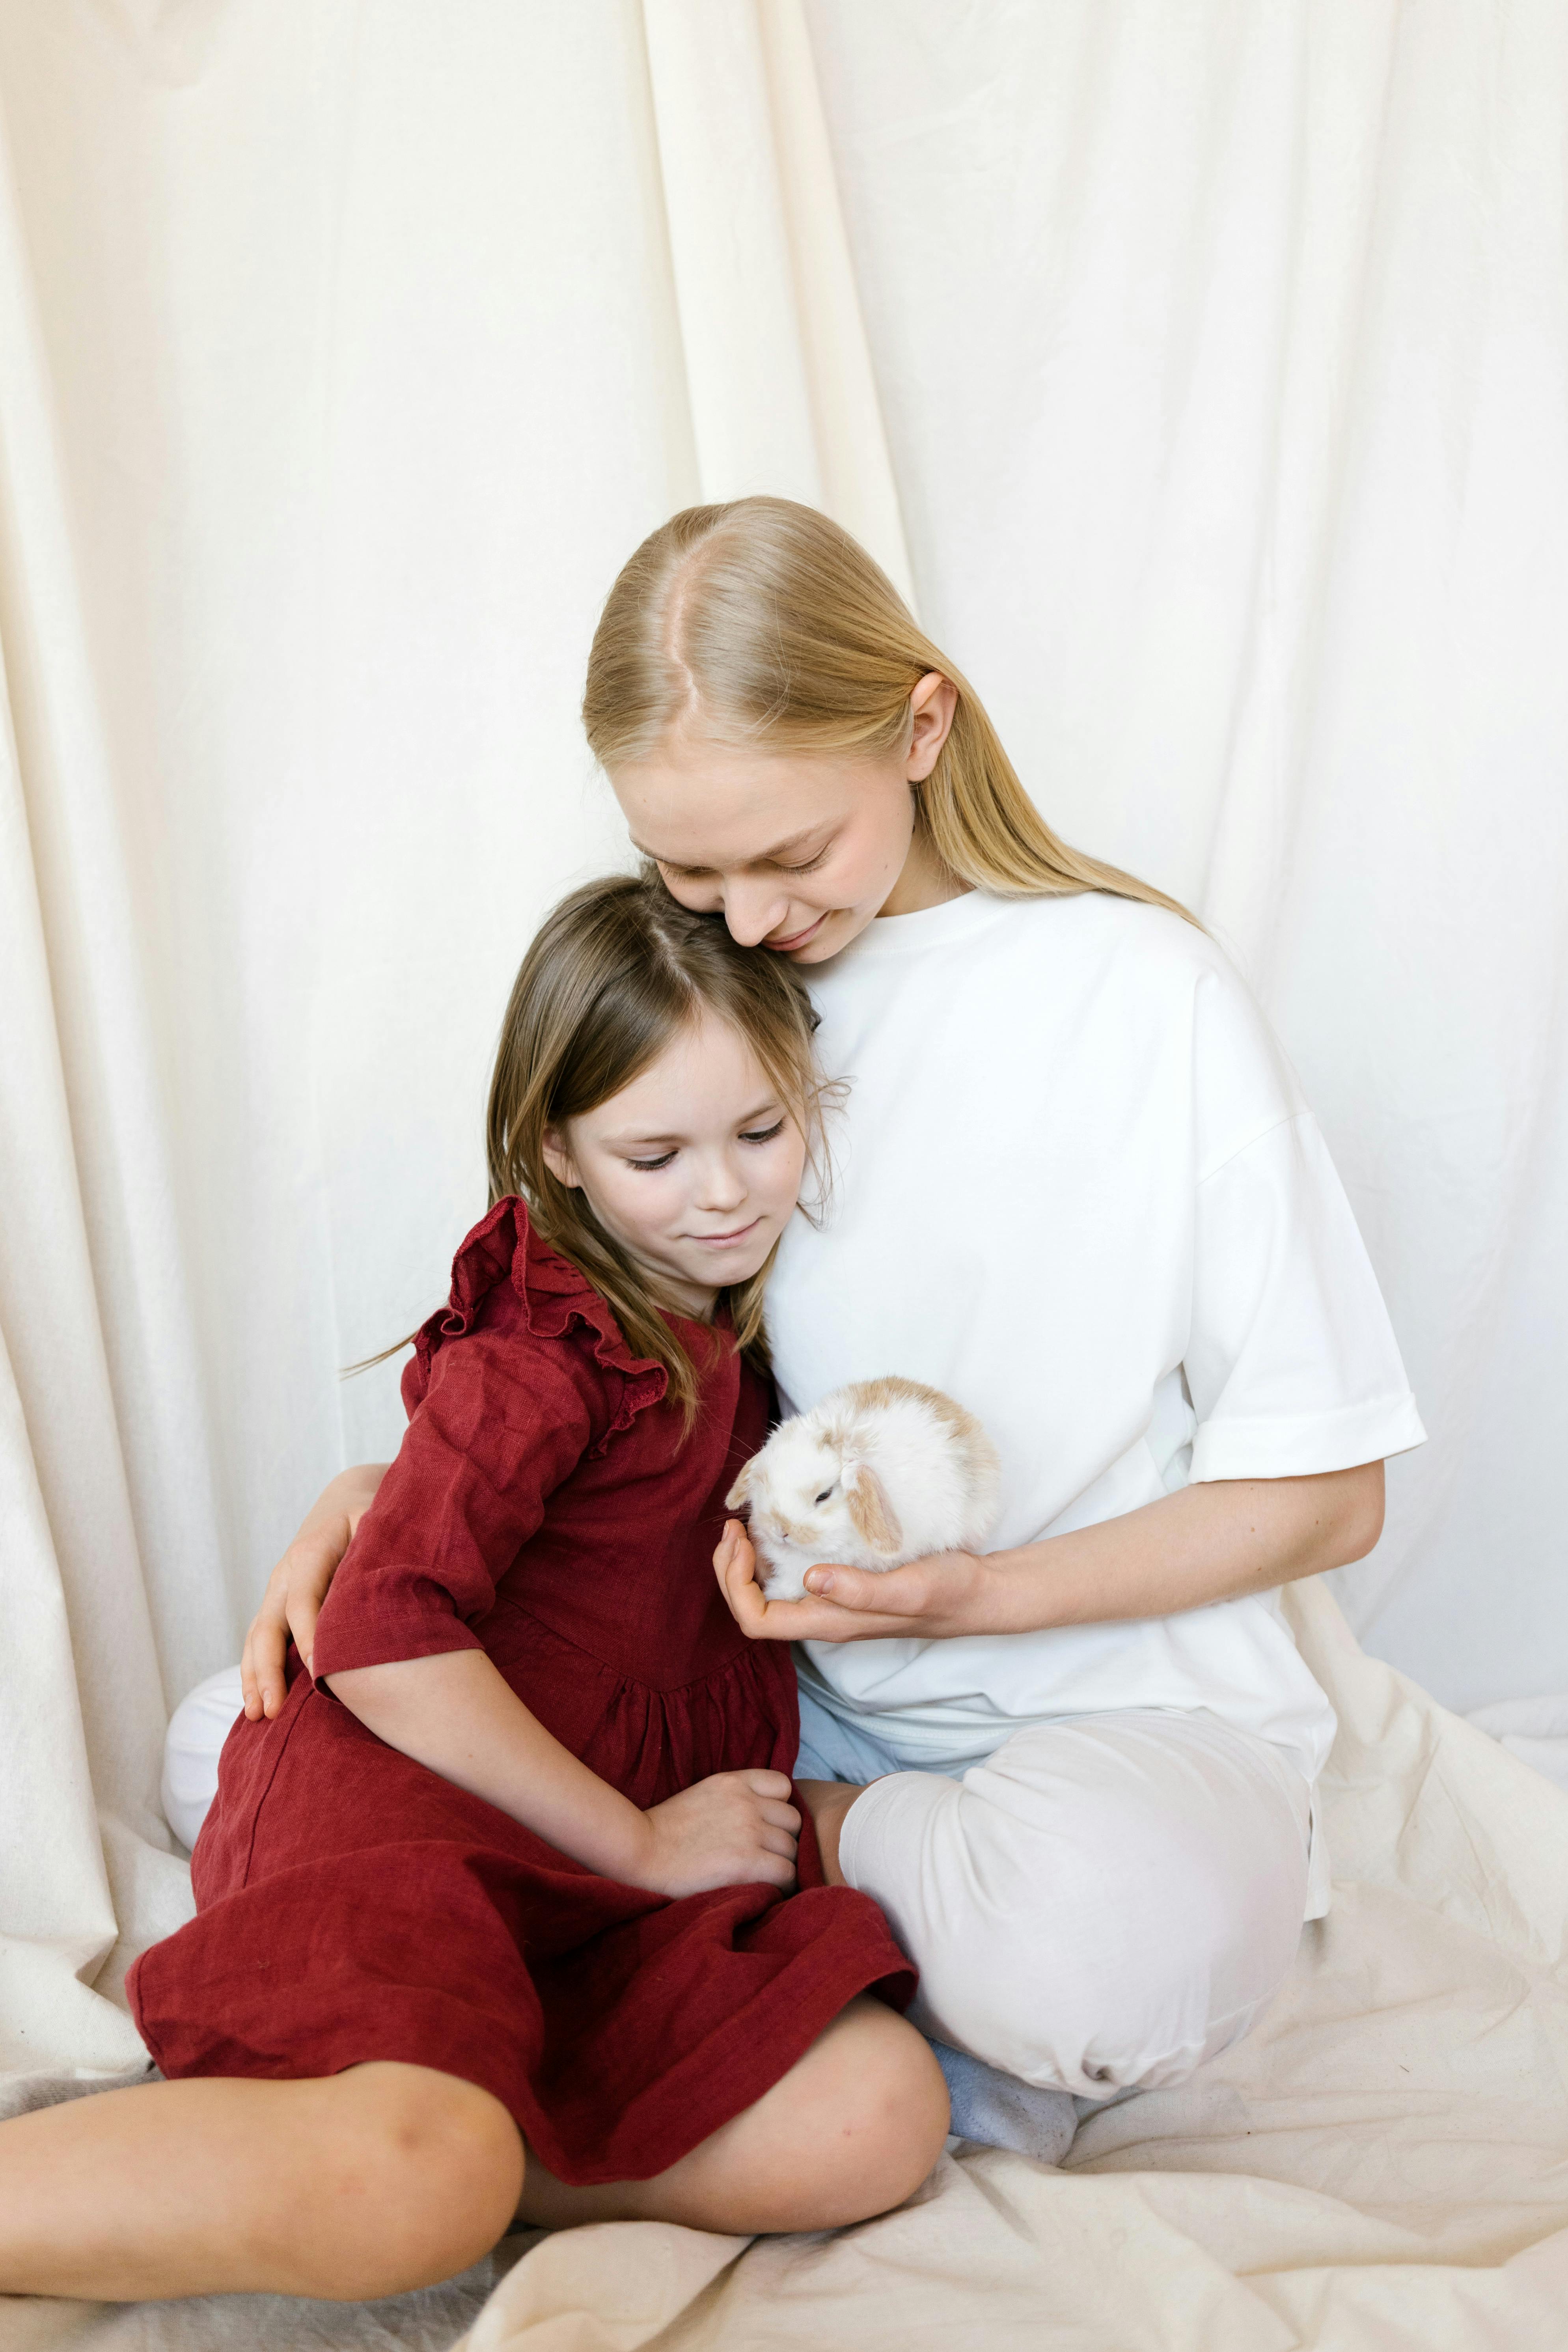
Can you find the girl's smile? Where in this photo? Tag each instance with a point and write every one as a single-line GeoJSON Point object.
{"type": "Point", "coordinates": [726, 1241]}
{"type": "Point", "coordinates": [787, 945]}
{"type": "Point", "coordinates": [799, 851]}
{"type": "Point", "coordinates": [694, 1167]}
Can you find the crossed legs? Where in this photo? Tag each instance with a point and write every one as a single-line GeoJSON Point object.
{"type": "Point", "coordinates": [1101, 1905]}
{"type": "Point", "coordinates": [388, 2177]}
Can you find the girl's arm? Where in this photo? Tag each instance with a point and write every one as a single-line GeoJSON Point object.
{"type": "Point", "coordinates": [1214, 1541]}
{"type": "Point", "coordinates": [299, 1583]}
{"type": "Point", "coordinates": [456, 1714]}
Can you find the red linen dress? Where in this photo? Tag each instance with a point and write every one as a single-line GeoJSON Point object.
{"type": "Point", "coordinates": [354, 1905]}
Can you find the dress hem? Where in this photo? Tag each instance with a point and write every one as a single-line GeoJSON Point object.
{"type": "Point", "coordinates": [717, 2080]}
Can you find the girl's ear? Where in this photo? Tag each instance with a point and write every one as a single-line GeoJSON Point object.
{"type": "Point", "coordinates": [932, 705]}
{"type": "Point", "coordinates": [559, 1160]}
{"type": "Point", "coordinates": [740, 1492]}
{"type": "Point", "coordinates": [871, 1515]}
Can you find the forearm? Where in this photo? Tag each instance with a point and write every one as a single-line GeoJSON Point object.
{"type": "Point", "coordinates": [1214, 1541]}
{"type": "Point", "coordinates": [456, 1715]}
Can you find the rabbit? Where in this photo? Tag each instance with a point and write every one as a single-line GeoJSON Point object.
{"type": "Point", "coordinates": [879, 1473]}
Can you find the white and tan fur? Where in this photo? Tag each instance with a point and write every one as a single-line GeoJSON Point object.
{"type": "Point", "coordinates": [879, 1473]}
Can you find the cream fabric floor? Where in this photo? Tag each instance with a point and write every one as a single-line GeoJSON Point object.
{"type": "Point", "coordinates": [1383, 2164]}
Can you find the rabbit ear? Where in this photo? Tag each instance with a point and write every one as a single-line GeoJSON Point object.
{"type": "Point", "coordinates": [871, 1515]}
{"type": "Point", "coordinates": [740, 1493]}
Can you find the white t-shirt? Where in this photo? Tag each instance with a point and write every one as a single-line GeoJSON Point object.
{"type": "Point", "coordinates": [1077, 1187]}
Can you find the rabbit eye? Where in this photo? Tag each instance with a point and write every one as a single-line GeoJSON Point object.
{"type": "Point", "coordinates": [824, 1495]}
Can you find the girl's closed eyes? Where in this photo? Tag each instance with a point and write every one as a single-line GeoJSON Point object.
{"type": "Point", "coordinates": [748, 1135]}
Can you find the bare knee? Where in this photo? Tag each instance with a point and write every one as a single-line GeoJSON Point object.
{"type": "Point", "coordinates": [872, 2118]}
{"type": "Point", "coordinates": [420, 2175]}
{"type": "Point", "coordinates": [850, 2131]}
{"type": "Point", "coordinates": [898, 2121]}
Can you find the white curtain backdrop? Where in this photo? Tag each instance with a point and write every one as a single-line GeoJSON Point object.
{"type": "Point", "coordinates": [1202, 367]}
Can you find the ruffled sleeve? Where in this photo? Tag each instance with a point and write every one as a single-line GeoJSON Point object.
{"type": "Point", "coordinates": [521, 1374]}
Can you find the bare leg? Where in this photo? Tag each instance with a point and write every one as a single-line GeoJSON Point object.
{"type": "Point", "coordinates": [851, 2130]}
{"type": "Point", "coordinates": [365, 2183]}
{"type": "Point", "coordinates": [388, 2177]}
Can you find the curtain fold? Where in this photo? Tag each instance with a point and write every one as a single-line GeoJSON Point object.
{"type": "Point", "coordinates": [778, 372]}
{"type": "Point", "coordinates": [83, 1235]}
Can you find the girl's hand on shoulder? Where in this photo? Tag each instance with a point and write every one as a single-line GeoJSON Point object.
{"type": "Point", "coordinates": [930, 1599]}
{"type": "Point", "coordinates": [298, 1585]}
{"type": "Point", "coordinates": [734, 1828]}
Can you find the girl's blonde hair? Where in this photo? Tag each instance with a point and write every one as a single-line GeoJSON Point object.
{"type": "Point", "coordinates": [763, 622]}
{"type": "Point", "coordinates": [615, 972]}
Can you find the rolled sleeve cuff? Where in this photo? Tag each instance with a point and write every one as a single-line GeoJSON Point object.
{"type": "Point", "coordinates": [381, 1638]}
{"type": "Point", "coordinates": [1304, 1445]}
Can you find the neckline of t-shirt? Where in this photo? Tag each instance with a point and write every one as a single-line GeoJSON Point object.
{"type": "Point", "coordinates": [929, 927]}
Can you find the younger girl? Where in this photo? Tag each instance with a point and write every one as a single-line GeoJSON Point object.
{"type": "Point", "coordinates": [505, 1875]}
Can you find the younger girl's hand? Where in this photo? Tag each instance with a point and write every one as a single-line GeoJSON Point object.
{"type": "Point", "coordinates": [736, 1829]}
{"type": "Point", "coordinates": [298, 1585]}
{"type": "Point", "coordinates": [930, 1599]}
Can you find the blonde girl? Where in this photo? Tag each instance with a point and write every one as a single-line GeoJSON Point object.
{"type": "Point", "coordinates": [1079, 1190]}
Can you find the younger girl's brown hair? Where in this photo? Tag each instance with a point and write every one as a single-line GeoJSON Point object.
{"type": "Point", "coordinates": [615, 972]}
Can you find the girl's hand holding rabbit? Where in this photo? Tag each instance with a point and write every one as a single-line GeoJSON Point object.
{"type": "Point", "coordinates": [867, 1513]}
{"type": "Point", "coordinates": [929, 1599]}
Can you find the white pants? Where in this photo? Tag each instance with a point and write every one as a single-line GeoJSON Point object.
{"type": "Point", "coordinates": [1099, 1904]}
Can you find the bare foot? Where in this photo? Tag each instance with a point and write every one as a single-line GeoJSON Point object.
{"type": "Point", "coordinates": [828, 1801]}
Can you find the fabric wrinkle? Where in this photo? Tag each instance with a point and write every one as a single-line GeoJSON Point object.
{"type": "Point", "coordinates": [1105, 1901]}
